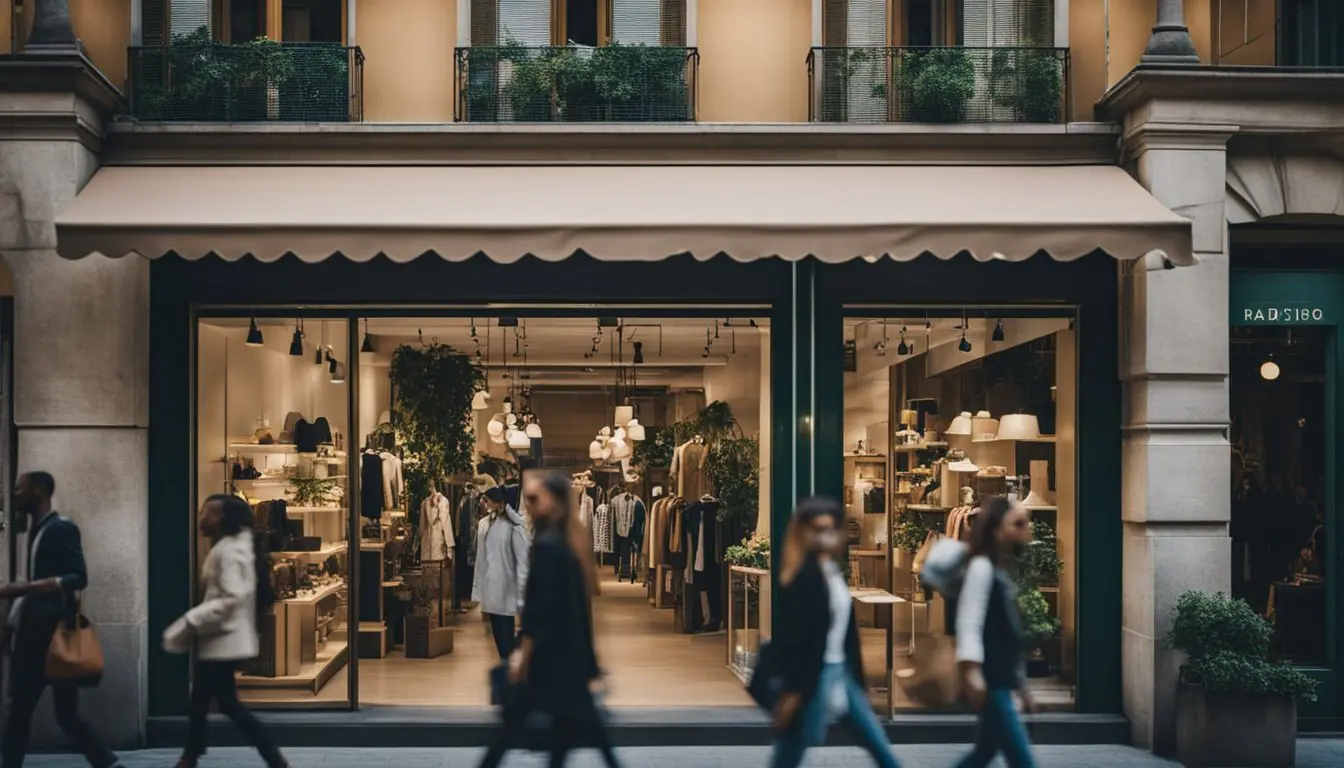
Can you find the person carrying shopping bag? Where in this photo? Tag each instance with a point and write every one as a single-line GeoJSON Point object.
{"type": "Point", "coordinates": [235, 581]}
{"type": "Point", "coordinates": [816, 644]}
{"type": "Point", "coordinates": [989, 635]}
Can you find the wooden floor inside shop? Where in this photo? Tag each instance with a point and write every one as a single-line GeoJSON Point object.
{"type": "Point", "coordinates": [648, 664]}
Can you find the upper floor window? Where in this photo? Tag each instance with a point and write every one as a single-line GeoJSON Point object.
{"type": "Point", "coordinates": [578, 22]}
{"type": "Point", "coordinates": [1311, 33]}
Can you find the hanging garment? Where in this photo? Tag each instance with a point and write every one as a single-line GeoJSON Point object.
{"type": "Point", "coordinates": [371, 486]}
{"type": "Point", "coordinates": [436, 529]}
{"type": "Point", "coordinates": [392, 481]}
{"type": "Point", "coordinates": [602, 529]}
{"type": "Point", "coordinates": [699, 527]}
{"type": "Point", "coordinates": [693, 481]}
{"type": "Point", "coordinates": [623, 513]}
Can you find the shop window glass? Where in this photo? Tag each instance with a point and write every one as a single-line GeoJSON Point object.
{"type": "Point", "coordinates": [1278, 432]}
{"type": "Point", "coordinates": [272, 428]}
{"type": "Point", "coordinates": [944, 407]}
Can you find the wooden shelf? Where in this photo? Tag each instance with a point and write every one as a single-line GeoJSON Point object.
{"type": "Point", "coordinates": [313, 676]}
{"type": "Point", "coordinates": [291, 509]}
{"type": "Point", "coordinates": [325, 552]}
{"type": "Point", "coordinates": [927, 508]}
{"type": "Point", "coordinates": [322, 593]}
{"type": "Point", "coordinates": [278, 448]}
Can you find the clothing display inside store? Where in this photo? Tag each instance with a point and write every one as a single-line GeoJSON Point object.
{"type": "Point", "coordinates": [976, 403]}
{"type": "Point", "coordinates": [412, 533]}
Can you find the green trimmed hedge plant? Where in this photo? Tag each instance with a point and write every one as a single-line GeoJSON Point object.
{"type": "Point", "coordinates": [1227, 649]}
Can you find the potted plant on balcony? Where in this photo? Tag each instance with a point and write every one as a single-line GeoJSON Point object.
{"type": "Point", "coordinates": [938, 83]}
{"type": "Point", "coordinates": [1029, 81]}
{"type": "Point", "coordinates": [1234, 706]}
{"type": "Point", "coordinates": [319, 88]}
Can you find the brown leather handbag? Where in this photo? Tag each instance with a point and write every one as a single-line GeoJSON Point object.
{"type": "Point", "coordinates": [75, 655]}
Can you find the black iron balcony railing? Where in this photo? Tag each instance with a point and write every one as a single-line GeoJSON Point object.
{"type": "Point", "coordinates": [938, 85]}
{"type": "Point", "coordinates": [612, 83]}
{"type": "Point", "coordinates": [262, 80]}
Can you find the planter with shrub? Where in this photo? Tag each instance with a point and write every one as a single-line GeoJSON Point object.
{"type": "Point", "coordinates": [1234, 706]}
{"type": "Point", "coordinates": [936, 84]}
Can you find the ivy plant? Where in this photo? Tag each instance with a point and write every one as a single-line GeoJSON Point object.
{"type": "Point", "coordinates": [434, 386]}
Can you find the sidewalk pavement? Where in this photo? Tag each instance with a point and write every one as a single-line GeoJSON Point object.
{"type": "Point", "coordinates": [1312, 753]}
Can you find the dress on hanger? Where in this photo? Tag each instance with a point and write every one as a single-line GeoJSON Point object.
{"type": "Point", "coordinates": [392, 480]}
{"type": "Point", "coordinates": [602, 542]}
{"type": "Point", "coordinates": [371, 485]}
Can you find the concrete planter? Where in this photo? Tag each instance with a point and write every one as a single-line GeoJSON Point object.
{"type": "Point", "coordinates": [1232, 729]}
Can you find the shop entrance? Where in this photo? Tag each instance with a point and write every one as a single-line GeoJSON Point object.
{"type": "Point", "coordinates": [367, 444]}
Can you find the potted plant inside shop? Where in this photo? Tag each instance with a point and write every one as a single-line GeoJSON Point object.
{"type": "Point", "coordinates": [907, 537]}
{"type": "Point", "coordinates": [1036, 569]}
{"type": "Point", "coordinates": [1234, 706]}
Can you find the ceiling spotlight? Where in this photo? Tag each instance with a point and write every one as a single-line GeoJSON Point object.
{"type": "Point", "coordinates": [253, 333]}
{"type": "Point", "coordinates": [296, 344]}
{"type": "Point", "coordinates": [998, 331]}
{"type": "Point", "coordinates": [1269, 370]}
{"type": "Point", "coordinates": [639, 353]}
{"type": "Point", "coordinates": [367, 346]}
{"type": "Point", "coordinates": [965, 345]}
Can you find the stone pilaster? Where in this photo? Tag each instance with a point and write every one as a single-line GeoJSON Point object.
{"type": "Point", "coordinates": [1176, 494]}
{"type": "Point", "coordinates": [80, 362]}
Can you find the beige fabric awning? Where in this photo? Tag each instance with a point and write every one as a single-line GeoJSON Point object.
{"type": "Point", "coordinates": [620, 213]}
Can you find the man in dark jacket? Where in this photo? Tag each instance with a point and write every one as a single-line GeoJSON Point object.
{"type": "Point", "coordinates": [56, 571]}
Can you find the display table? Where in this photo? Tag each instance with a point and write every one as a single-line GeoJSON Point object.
{"type": "Point", "coordinates": [881, 597]}
{"type": "Point", "coordinates": [748, 617]}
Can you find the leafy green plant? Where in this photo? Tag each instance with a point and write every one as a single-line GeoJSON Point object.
{"type": "Point", "coordinates": [734, 469]}
{"type": "Point", "coordinates": [656, 450]}
{"type": "Point", "coordinates": [1227, 648]}
{"type": "Point", "coordinates": [938, 83]}
{"type": "Point", "coordinates": [909, 534]}
{"type": "Point", "coordinates": [753, 552]}
{"type": "Point", "coordinates": [1038, 564]}
{"type": "Point", "coordinates": [434, 386]}
{"type": "Point", "coordinates": [196, 78]}
{"type": "Point", "coordinates": [1039, 624]}
{"type": "Point", "coordinates": [315, 491]}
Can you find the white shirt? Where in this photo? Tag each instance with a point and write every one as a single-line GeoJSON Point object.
{"type": "Point", "coordinates": [972, 605]}
{"type": "Point", "coordinates": [841, 607]}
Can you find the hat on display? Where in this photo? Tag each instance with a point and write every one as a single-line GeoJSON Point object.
{"type": "Point", "coordinates": [961, 425]}
{"type": "Point", "coordinates": [963, 465]}
{"type": "Point", "coordinates": [984, 427]}
{"type": "Point", "coordinates": [1019, 426]}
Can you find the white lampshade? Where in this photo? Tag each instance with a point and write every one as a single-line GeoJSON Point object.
{"type": "Point", "coordinates": [1019, 426]}
{"type": "Point", "coordinates": [508, 405]}
{"type": "Point", "coordinates": [606, 453]}
{"type": "Point", "coordinates": [619, 448]}
{"type": "Point", "coordinates": [519, 441]}
{"type": "Point", "coordinates": [624, 414]}
{"type": "Point", "coordinates": [961, 425]}
{"type": "Point", "coordinates": [534, 431]}
{"type": "Point", "coordinates": [495, 427]}
{"type": "Point", "coordinates": [595, 450]}
{"type": "Point", "coordinates": [605, 432]}
{"type": "Point", "coordinates": [480, 401]}
{"type": "Point", "coordinates": [498, 439]}
{"type": "Point", "coordinates": [984, 428]}
{"type": "Point", "coordinates": [511, 419]}
{"type": "Point", "coordinates": [635, 431]}
{"type": "Point", "coordinates": [965, 465]}
{"type": "Point", "coordinates": [619, 434]}
{"type": "Point", "coordinates": [1035, 500]}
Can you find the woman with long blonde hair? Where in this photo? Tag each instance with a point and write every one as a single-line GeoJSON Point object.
{"type": "Point", "coordinates": [555, 663]}
{"type": "Point", "coordinates": [817, 641]}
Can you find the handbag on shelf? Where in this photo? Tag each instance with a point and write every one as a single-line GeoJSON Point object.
{"type": "Point", "coordinates": [75, 655]}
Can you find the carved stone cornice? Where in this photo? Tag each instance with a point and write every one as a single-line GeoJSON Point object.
{"type": "Point", "coordinates": [55, 97]}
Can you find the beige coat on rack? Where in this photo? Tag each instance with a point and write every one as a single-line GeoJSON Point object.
{"type": "Point", "coordinates": [436, 529]}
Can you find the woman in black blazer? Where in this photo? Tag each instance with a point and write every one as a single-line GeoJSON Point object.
{"type": "Point", "coordinates": [817, 640]}
{"type": "Point", "coordinates": [555, 662]}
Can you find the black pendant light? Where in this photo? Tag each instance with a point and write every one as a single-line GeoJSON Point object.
{"type": "Point", "coordinates": [318, 357]}
{"type": "Point", "coordinates": [903, 348]}
{"type": "Point", "coordinates": [296, 344]}
{"type": "Point", "coordinates": [253, 334]}
{"type": "Point", "coordinates": [639, 352]}
{"type": "Point", "coordinates": [998, 331]}
{"type": "Point", "coordinates": [367, 346]}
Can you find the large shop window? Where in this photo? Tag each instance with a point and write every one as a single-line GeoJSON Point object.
{"type": "Point", "coordinates": [942, 409]}
{"type": "Point", "coordinates": [365, 445]}
{"type": "Point", "coordinates": [1279, 434]}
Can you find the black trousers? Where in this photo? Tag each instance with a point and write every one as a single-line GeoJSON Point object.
{"type": "Point", "coordinates": [581, 723]}
{"type": "Point", "coordinates": [502, 628]}
{"type": "Point", "coordinates": [27, 682]}
{"type": "Point", "coordinates": [215, 682]}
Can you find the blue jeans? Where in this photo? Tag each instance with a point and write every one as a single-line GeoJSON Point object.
{"type": "Point", "coordinates": [809, 730]}
{"type": "Point", "coordinates": [1001, 732]}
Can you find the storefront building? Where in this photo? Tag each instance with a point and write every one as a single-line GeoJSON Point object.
{"type": "Point", "coordinates": [865, 287]}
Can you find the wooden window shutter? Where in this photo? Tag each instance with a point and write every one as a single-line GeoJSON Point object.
{"type": "Point", "coordinates": [154, 22]}
{"type": "Point", "coordinates": [673, 23]}
{"type": "Point", "coordinates": [834, 20]}
{"type": "Point", "coordinates": [485, 22]}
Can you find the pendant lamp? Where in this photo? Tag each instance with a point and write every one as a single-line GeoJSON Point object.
{"type": "Point", "coordinates": [518, 440]}
{"type": "Point", "coordinates": [624, 415]}
{"type": "Point", "coordinates": [495, 428]}
{"type": "Point", "coordinates": [620, 449]}
{"type": "Point", "coordinates": [534, 431]}
{"type": "Point", "coordinates": [595, 451]}
{"type": "Point", "coordinates": [338, 373]}
{"type": "Point", "coordinates": [620, 433]}
{"type": "Point", "coordinates": [480, 401]}
{"type": "Point", "coordinates": [634, 430]}
{"type": "Point", "coordinates": [254, 338]}
{"type": "Point", "coordinates": [984, 428]}
{"type": "Point", "coordinates": [296, 344]}
{"type": "Point", "coordinates": [961, 425]}
{"type": "Point", "coordinates": [1019, 426]}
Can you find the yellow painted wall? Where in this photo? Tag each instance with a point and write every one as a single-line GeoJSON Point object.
{"type": "Point", "coordinates": [1131, 24]}
{"type": "Point", "coordinates": [105, 28]}
{"type": "Point", "coordinates": [753, 57]}
{"type": "Point", "coordinates": [408, 67]}
{"type": "Point", "coordinates": [1244, 32]}
{"type": "Point", "coordinates": [6, 25]}
{"type": "Point", "coordinates": [1087, 56]}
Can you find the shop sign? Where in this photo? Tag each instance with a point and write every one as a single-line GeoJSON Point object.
{"type": "Point", "coordinates": [1281, 313]}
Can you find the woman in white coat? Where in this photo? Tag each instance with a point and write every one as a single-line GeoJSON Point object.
{"type": "Point", "coordinates": [223, 627]}
{"type": "Point", "coordinates": [501, 568]}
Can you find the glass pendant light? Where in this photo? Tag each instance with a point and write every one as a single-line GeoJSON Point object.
{"type": "Point", "coordinates": [254, 338]}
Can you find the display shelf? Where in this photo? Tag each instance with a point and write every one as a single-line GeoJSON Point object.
{"type": "Point", "coordinates": [325, 552]}
{"type": "Point", "coordinates": [875, 458]}
{"type": "Point", "coordinates": [318, 595]}
{"type": "Point", "coordinates": [918, 447]}
{"type": "Point", "coordinates": [927, 508]}
{"type": "Point", "coordinates": [311, 676]}
{"type": "Point", "coordinates": [280, 448]}
{"type": "Point", "coordinates": [1041, 508]}
{"type": "Point", "coordinates": [290, 509]}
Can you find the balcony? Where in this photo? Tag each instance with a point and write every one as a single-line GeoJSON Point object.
{"type": "Point", "coordinates": [938, 85]}
{"type": "Point", "coordinates": [198, 80]}
{"type": "Point", "coordinates": [613, 83]}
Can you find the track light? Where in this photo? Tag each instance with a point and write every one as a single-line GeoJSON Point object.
{"type": "Point", "coordinates": [998, 331]}
{"type": "Point", "coordinates": [253, 334]}
{"type": "Point", "coordinates": [639, 353]}
{"type": "Point", "coordinates": [296, 344]}
{"type": "Point", "coordinates": [965, 345]}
